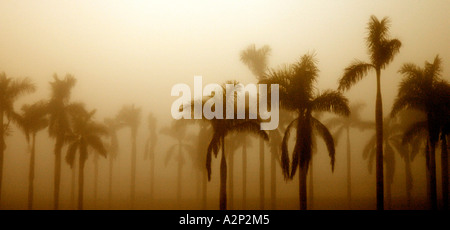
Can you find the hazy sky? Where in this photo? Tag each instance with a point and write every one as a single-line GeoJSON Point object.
{"type": "Point", "coordinates": [134, 51]}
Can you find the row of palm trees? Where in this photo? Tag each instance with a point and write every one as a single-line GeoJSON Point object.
{"type": "Point", "coordinates": [422, 89]}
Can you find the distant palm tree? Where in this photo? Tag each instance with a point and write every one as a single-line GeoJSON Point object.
{"type": "Point", "coordinates": [296, 92]}
{"type": "Point", "coordinates": [256, 61]}
{"type": "Point", "coordinates": [85, 133]}
{"type": "Point", "coordinates": [131, 116]}
{"type": "Point", "coordinates": [10, 90]}
{"type": "Point", "coordinates": [59, 112]}
{"type": "Point", "coordinates": [341, 124]}
{"type": "Point", "coordinates": [392, 143]}
{"type": "Point", "coordinates": [32, 120]}
{"type": "Point", "coordinates": [423, 89]}
{"type": "Point", "coordinates": [199, 158]}
{"type": "Point", "coordinates": [382, 50]}
{"type": "Point", "coordinates": [113, 126]}
{"type": "Point", "coordinates": [177, 130]}
{"type": "Point", "coordinates": [150, 149]}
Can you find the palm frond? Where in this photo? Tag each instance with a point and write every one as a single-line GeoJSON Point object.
{"type": "Point", "coordinates": [285, 163]}
{"type": "Point", "coordinates": [353, 73]}
{"type": "Point", "coordinates": [71, 151]}
{"type": "Point", "coordinates": [323, 132]}
{"type": "Point", "coordinates": [414, 130]}
{"type": "Point", "coordinates": [331, 101]}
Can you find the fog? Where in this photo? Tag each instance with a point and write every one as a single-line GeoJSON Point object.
{"type": "Point", "coordinates": [133, 52]}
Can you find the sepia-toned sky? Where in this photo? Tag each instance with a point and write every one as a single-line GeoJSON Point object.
{"type": "Point", "coordinates": [124, 52]}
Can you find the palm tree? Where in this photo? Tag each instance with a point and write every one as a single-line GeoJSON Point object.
{"type": "Point", "coordinates": [150, 149]}
{"type": "Point", "coordinates": [131, 116]}
{"type": "Point", "coordinates": [86, 133]}
{"type": "Point", "coordinates": [343, 124]}
{"type": "Point", "coordinates": [32, 120]}
{"type": "Point", "coordinates": [10, 90]}
{"type": "Point", "coordinates": [58, 110]}
{"type": "Point", "coordinates": [296, 91]}
{"type": "Point", "coordinates": [256, 61]}
{"type": "Point", "coordinates": [199, 157]}
{"type": "Point", "coordinates": [177, 130]}
{"type": "Point", "coordinates": [424, 90]}
{"type": "Point", "coordinates": [220, 129]}
{"type": "Point", "coordinates": [382, 51]}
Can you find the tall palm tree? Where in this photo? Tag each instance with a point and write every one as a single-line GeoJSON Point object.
{"type": "Point", "coordinates": [130, 116]}
{"type": "Point", "coordinates": [296, 91]}
{"type": "Point", "coordinates": [423, 89]}
{"type": "Point", "coordinates": [220, 129]}
{"type": "Point", "coordinates": [10, 90]}
{"type": "Point", "coordinates": [85, 133]}
{"type": "Point", "coordinates": [177, 130]}
{"type": "Point", "coordinates": [150, 149]}
{"type": "Point", "coordinates": [343, 124]}
{"type": "Point", "coordinates": [113, 126]}
{"type": "Point", "coordinates": [58, 110]}
{"type": "Point", "coordinates": [256, 61]}
{"type": "Point", "coordinates": [382, 51]}
{"type": "Point", "coordinates": [32, 120]}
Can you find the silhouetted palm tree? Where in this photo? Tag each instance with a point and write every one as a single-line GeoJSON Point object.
{"type": "Point", "coordinates": [32, 120]}
{"type": "Point", "coordinates": [131, 116]}
{"type": "Point", "coordinates": [85, 133]}
{"type": "Point", "coordinates": [296, 92]}
{"type": "Point", "coordinates": [343, 124]}
{"type": "Point", "coordinates": [10, 90]}
{"type": "Point", "coordinates": [424, 90]}
{"type": "Point", "coordinates": [177, 130]}
{"type": "Point", "coordinates": [220, 129]}
{"type": "Point", "coordinates": [113, 126]}
{"type": "Point", "coordinates": [256, 61]}
{"type": "Point", "coordinates": [59, 109]}
{"type": "Point", "coordinates": [199, 157]}
{"type": "Point", "coordinates": [382, 50]}
{"type": "Point", "coordinates": [150, 149]}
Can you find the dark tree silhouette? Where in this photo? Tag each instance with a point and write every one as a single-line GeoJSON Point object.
{"type": "Point", "coordinates": [59, 109]}
{"type": "Point", "coordinates": [130, 116]}
{"type": "Point", "coordinates": [32, 120]}
{"type": "Point", "coordinates": [10, 90]}
{"type": "Point", "coordinates": [343, 124]}
{"type": "Point", "coordinates": [85, 133]}
{"type": "Point", "coordinates": [150, 149]}
{"type": "Point", "coordinates": [256, 61]}
{"type": "Point", "coordinates": [296, 84]}
{"type": "Point", "coordinates": [382, 50]}
{"type": "Point", "coordinates": [424, 90]}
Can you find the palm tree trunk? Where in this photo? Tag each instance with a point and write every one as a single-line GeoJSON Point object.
{"type": "Point", "coordinates": [179, 173]}
{"type": "Point", "coordinates": [408, 175]}
{"type": "Point", "coordinates": [111, 161]}
{"type": "Point", "coordinates": [204, 189]}
{"type": "Point", "coordinates": [95, 179]}
{"type": "Point", "coordinates": [73, 185]}
{"type": "Point", "coordinates": [31, 173]}
{"type": "Point", "coordinates": [428, 172]}
{"type": "Point", "coordinates": [432, 166]}
{"type": "Point", "coordinates": [273, 179]}
{"type": "Point", "coordinates": [82, 161]}
{"type": "Point", "coordinates": [231, 181]}
{"type": "Point", "coordinates": [261, 173]}
{"type": "Point", "coordinates": [302, 187]}
{"type": "Point", "coordinates": [244, 174]}
{"type": "Point", "coordinates": [2, 151]}
{"type": "Point", "coordinates": [379, 155]}
{"type": "Point", "coordinates": [444, 168]}
{"type": "Point", "coordinates": [349, 171]}
{"type": "Point", "coordinates": [57, 179]}
{"type": "Point", "coordinates": [152, 172]}
{"type": "Point", "coordinates": [223, 179]}
{"type": "Point", "coordinates": [311, 187]}
{"type": "Point", "coordinates": [133, 168]}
